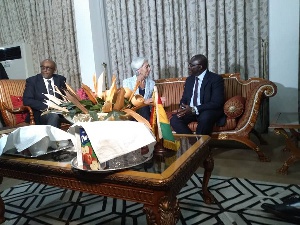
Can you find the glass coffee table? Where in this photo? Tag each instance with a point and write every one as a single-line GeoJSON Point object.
{"type": "Point", "coordinates": [154, 183]}
{"type": "Point", "coordinates": [288, 121]}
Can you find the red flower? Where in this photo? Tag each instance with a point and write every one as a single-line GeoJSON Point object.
{"type": "Point", "coordinates": [82, 95]}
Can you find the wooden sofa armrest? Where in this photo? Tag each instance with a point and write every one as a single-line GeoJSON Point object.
{"type": "Point", "coordinates": [17, 110]}
{"type": "Point", "coordinates": [263, 89]}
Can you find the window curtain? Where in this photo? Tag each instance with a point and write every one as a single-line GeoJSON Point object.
{"type": "Point", "coordinates": [48, 26]}
{"type": "Point", "coordinates": [168, 32]}
{"type": "Point", "coordinates": [233, 34]}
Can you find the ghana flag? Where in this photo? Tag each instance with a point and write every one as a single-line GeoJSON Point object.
{"type": "Point", "coordinates": [160, 121]}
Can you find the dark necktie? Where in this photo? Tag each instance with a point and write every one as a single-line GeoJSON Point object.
{"type": "Point", "coordinates": [195, 92]}
{"type": "Point", "coordinates": [50, 89]}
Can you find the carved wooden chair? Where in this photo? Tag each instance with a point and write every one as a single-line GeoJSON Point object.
{"type": "Point", "coordinates": [12, 109]}
{"type": "Point", "coordinates": [243, 98]}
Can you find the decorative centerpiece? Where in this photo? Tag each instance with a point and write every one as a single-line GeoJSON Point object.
{"type": "Point", "coordinates": [105, 146]}
{"type": "Point", "coordinates": [87, 106]}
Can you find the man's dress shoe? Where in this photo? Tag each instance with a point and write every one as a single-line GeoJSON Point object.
{"type": "Point", "coordinates": [288, 210]}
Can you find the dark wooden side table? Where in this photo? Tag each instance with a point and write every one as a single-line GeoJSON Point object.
{"type": "Point", "coordinates": [288, 121]}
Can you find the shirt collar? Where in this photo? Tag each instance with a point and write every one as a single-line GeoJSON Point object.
{"type": "Point", "coordinates": [48, 79]}
{"type": "Point", "coordinates": [201, 76]}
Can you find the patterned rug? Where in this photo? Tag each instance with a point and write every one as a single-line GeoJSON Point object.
{"type": "Point", "coordinates": [238, 202]}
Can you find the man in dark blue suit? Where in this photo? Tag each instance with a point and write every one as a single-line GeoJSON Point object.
{"type": "Point", "coordinates": [202, 99]}
{"type": "Point", "coordinates": [37, 86]}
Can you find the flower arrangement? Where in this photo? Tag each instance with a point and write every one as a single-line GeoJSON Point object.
{"type": "Point", "coordinates": [113, 104]}
{"type": "Point", "coordinates": [82, 95]}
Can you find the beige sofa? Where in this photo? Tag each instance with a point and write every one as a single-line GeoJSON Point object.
{"type": "Point", "coordinates": [243, 99]}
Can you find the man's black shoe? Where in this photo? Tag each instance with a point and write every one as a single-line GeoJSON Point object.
{"type": "Point", "coordinates": [289, 210]}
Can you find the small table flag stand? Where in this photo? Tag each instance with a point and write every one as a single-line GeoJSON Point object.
{"type": "Point", "coordinates": [161, 127]}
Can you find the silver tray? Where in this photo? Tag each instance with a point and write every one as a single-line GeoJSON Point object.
{"type": "Point", "coordinates": [26, 153]}
{"type": "Point", "coordinates": [113, 165]}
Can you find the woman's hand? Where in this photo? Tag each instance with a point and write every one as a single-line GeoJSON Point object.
{"type": "Point", "coordinates": [148, 101]}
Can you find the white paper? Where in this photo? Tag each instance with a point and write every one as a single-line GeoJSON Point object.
{"type": "Point", "coordinates": [111, 139]}
{"type": "Point", "coordinates": [24, 137]}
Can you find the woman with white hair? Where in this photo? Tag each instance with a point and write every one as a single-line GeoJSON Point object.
{"type": "Point", "coordinates": [141, 69]}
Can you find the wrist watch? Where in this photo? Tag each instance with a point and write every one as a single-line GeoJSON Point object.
{"type": "Point", "coordinates": [194, 110]}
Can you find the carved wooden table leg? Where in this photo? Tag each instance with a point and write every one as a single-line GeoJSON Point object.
{"type": "Point", "coordinates": [291, 160]}
{"type": "Point", "coordinates": [167, 213]}
{"type": "Point", "coordinates": [2, 207]}
{"type": "Point", "coordinates": [281, 131]}
{"type": "Point", "coordinates": [208, 165]}
{"type": "Point", "coordinates": [292, 146]}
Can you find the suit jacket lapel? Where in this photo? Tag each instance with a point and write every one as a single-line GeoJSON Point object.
{"type": "Point", "coordinates": [204, 83]}
{"type": "Point", "coordinates": [41, 84]}
{"type": "Point", "coordinates": [56, 83]}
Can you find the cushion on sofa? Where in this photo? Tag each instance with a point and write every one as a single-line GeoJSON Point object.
{"type": "Point", "coordinates": [234, 107]}
{"type": "Point", "coordinates": [17, 102]}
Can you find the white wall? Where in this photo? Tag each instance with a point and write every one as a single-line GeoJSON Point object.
{"type": "Point", "coordinates": [99, 33]}
{"type": "Point", "coordinates": [19, 68]}
{"type": "Point", "coordinates": [85, 42]}
{"type": "Point", "coordinates": [91, 38]}
{"type": "Point", "coordinates": [284, 55]}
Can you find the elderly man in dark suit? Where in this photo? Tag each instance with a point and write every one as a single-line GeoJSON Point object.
{"type": "Point", "coordinates": [202, 99]}
{"type": "Point", "coordinates": [37, 86]}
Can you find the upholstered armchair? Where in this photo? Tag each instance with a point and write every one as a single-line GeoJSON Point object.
{"type": "Point", "coordinates": [242, 104]}
{"type": "Point", "coordinates": [12, 109]}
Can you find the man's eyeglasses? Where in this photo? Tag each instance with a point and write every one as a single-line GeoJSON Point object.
{"type": "Point", "coordinates": [147, 66]}
{"type": "Point", "coordinates": [46, 68]}
{"type": "Point", "coordinates": [192, 65]}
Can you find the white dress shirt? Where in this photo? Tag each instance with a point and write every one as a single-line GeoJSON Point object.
{"type": "Point", "coordinates": [200, 79]}
{"type": "Point", "coordinates": [52, 84]}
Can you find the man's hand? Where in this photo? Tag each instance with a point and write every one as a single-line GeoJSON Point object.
{"type": "Point", "coordinates": [184, 109]}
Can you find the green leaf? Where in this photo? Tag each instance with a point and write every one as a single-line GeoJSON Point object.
{"type": "Point", "coordinates": [92, 108]}
{"type": "Point", "coordinates": [94, 115]}
{"type": "Point", "coordinates": [72, 112]}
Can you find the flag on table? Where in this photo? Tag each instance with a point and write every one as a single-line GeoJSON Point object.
{"type": "Point", "coordinates": [160, 121]}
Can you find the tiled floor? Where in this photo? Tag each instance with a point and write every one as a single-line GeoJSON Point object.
{"type": "Point", "coordinates": [235, 160]}
{"type": "Point", "coordinates": [238, 201]}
